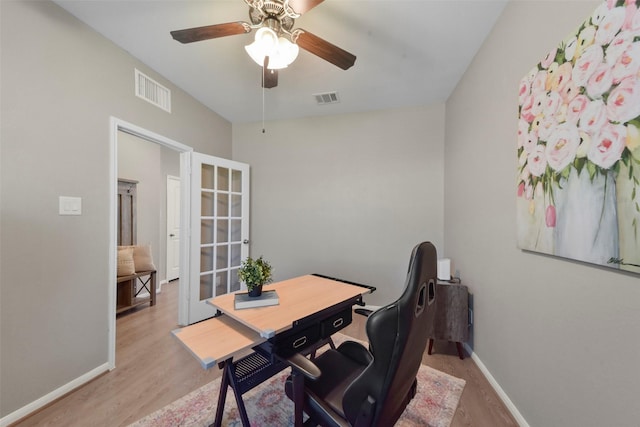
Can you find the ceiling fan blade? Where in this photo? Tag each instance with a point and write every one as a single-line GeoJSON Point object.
{"type": "Point", "coordinates": [269, 77]}
{"type": "Point", "coordinates": [303, 6]}
{"type": "Point", "coordinates": [325, 50]}
{"type": "Point", "coordinates": [210, 32]}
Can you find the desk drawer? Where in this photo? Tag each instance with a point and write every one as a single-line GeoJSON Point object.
{"type": "Point", "coordinates": [296, 341]}
{"type": "Point", "coordinates": [336, 322]}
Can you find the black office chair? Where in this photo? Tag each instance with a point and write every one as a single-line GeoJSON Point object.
{"type": "Point", "coordinates": [353, 386]}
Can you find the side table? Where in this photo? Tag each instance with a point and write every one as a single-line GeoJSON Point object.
{"type": "Point", "coordinates": [128, 298]}
{"type": "Point", "coordinates": [452, 315]}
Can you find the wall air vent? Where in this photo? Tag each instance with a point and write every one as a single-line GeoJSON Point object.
{"type": "Point", "coordinates": [327, 98]}
{"type": "Point", "coordinates": [152, 91]}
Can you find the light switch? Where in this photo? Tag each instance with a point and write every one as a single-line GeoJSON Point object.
{"type": "Point", "coordinates": [70, 205]}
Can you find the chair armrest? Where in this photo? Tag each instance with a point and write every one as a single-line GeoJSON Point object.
{"type": "Point", "coordinates": [300, 367]}
{"type": "Point", "coordinates": [363, 311]}
{"type": "Point", "coordinates": [304, 365]}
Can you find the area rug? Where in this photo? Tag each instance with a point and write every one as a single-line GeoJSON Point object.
{"type": "Point", "coordinates": [434, 405]}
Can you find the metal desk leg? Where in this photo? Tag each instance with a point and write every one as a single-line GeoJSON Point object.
{"type": "Point", "coordinates": [238, 393]}
{"type": "Point", "coordinates": [254, 369]}
{"type": "Point", "coordinates": [222, 394]}
{"type": "Point", "coordinates": [228, 379]}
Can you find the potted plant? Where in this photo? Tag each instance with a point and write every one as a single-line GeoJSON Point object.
{"type": "Point", "coordinates": [255, 273]}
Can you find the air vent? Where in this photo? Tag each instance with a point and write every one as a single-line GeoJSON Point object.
{"type": "Point", "coordinates": [152, 91]}
{"type": "Point", "coordinates": [327, 98]}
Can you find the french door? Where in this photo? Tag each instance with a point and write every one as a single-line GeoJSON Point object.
{"type": "Point", "coordinates": [219, 224]}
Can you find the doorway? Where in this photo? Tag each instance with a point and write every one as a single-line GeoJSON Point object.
{"type": "Point", "coordinates": [218, 223]}
{"type": "Point", "coordinates": [118, 129]}
{"type": "Point", "coordinates": [214, 223]}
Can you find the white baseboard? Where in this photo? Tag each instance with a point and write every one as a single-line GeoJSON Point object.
{"type": "Point", "coordinates": [503, 396]}
{"type": "Point", "coordinates": [56, 394]}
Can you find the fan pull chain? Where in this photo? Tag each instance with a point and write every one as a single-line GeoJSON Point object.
{"type": "Point", "coordinates": [264, 79]}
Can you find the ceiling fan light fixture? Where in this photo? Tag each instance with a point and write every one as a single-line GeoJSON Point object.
{"type": "Point", "coordinates": [288, 50]}
{"type": "Point", "coordinates": [281, 52]}
{"type": "Point", "coordinates": [267, 39]}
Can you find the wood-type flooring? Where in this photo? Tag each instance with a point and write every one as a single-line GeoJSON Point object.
{"type": "Point", "coordinates": [153, 369]}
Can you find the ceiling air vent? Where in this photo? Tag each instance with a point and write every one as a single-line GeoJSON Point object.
{"type": "Point", "coordinates": [327, 98]}
{"type": "Point", "coordinates": [152, 91]}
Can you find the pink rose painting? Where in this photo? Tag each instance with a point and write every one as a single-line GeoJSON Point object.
{"type": "Point", "coordinates": [578, 143]}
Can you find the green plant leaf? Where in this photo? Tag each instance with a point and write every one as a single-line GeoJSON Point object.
{"type": "Point", "coordinates": [255, 272]}
{"type": "Point", "coordinates": [615, 168]}
{"type": "Point", "coordinates": [592, 169]}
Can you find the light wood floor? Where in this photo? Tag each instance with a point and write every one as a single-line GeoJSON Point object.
{"type": "Point", "coordinates": [153, 370]}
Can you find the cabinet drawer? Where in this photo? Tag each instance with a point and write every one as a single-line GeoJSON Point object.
{"type": "Point", "coordinates": [336, 322]}
{"type": "Point", "coordinates": [296, 341]}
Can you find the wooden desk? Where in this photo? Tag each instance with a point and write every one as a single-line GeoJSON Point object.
{"type": "Point", "coordinates": [300, 298]}
{"type": "Point", "coordinates": [310, 307]}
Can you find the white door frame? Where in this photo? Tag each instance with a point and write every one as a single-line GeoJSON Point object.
{"type": "Point", "coordinates": [169, 270]}
{"type": "Point", "coordinates": [116, 125]}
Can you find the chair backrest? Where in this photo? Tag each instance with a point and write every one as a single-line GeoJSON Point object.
{"type": "Point", "coordinates": [398, 335]}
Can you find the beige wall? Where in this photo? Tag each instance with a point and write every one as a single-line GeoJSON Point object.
{"type": "Point", "coordinates": [61, 82]}
{"type": "Point", "coordinates": [347, 196]}
{"type": "Point", "coordinates": [560, 337]}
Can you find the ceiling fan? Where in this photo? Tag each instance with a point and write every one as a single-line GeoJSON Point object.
{"type": "Point", "coordinates": [276, 44]}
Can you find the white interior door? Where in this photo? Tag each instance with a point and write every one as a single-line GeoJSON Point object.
{"type": "Point", "coordinates": [219, 223]}
{"type": "Point", "coordinates": [173, 227]}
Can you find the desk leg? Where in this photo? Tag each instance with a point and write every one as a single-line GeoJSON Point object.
{"type": "Point", "coordinates": [222, 394]}
{"type": "Point", "coordinates": [238, 393]}
{"type": "Point", "coordinates": [322, 344]}
{"type": "Point", "coordinates": [228, 379]}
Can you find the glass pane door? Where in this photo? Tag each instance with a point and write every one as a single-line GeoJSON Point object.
{"type": "Point", "coordinates": [220, 212]}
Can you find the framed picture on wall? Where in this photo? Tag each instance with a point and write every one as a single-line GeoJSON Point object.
{"type": "Point", "coordinates": [578, 143]}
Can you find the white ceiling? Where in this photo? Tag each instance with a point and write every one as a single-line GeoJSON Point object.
{"type": "Point", "coordinates": [409, 52]}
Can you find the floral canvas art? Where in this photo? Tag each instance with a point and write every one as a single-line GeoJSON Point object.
{"type": "Point", "coordinates": [579, 143]}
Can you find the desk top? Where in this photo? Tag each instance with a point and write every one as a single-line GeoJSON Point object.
{"type": "Point", "coordinates": [299, 297]}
